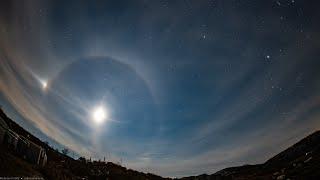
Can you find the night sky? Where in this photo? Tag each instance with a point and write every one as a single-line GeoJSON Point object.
{"type": "Point", "coordinates": [178, 87]}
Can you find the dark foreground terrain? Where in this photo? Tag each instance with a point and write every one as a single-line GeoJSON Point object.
{"type": "Point", "coordinates": [301, 161]}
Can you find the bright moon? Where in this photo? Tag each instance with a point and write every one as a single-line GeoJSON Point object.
{"type": "Point", "coordinates": [99, 115]}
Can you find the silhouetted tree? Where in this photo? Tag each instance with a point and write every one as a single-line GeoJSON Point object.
{"type": "Point", "coordinates": [82, 159]}
{"type": "Point", "coordinates": [65, 151]}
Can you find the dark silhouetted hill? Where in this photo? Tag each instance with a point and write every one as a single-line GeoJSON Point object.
{"type": "Point", "coordinates": [300, 161]}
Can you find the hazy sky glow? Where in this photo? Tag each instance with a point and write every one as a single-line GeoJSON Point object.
{"type": "Point", "coordinates": [174, 88]}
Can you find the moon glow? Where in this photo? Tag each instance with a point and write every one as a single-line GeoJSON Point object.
{"type": "Point", "coordinates": [100, 115]}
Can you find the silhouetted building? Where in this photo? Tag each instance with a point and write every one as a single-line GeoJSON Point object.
{"type": "Point", "coordinates": [28, 150]}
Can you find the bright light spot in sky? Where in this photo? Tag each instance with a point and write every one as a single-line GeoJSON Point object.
{"type": "Point", "coordinates": [44, 84]}
{"type": "Point", "coordinates": [99, 114]}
